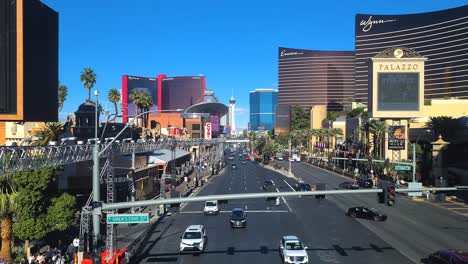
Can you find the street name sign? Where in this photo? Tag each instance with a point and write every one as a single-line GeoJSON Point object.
{"type": "Point", "coordinates": [403, 168]}
{"type": "Point", "coordinates": [127, 218]}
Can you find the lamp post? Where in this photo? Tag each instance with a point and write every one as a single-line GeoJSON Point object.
{"type": "Point", "coordinates": [96, 186]}
{"type": "Point", "coordinates": [414, 154]}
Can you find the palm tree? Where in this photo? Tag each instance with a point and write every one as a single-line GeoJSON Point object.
{"type": "Point", "coordinates": [49, 132]}
{"type": "Point", "coordinates": [135, 96]}
{"type": "Point", "coordinates": [88, 78]}
{"type": "Point", "coordinates": [251, 140]}
{"type": "Point", "coordinates": [378, 128]}
{"type": "Point", "coordinates": [442, 125]}
{"type": "Point", "coordinates": [62, 95]}
{"type": "Point", "coordinates": [336, 132]}
{"type": "Point", "coordinates": [8, 196]}
{"type": "Point", "coordinates": [146, 101]}
{"type": "Point", "coordinates": [114, 97]}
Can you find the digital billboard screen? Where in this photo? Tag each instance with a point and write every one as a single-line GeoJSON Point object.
{"type": "Point", "coordinates": [396, 137]}
{"type": "Point", "coordinates": [142, 84]}
{"type": "Point", "coordinates": [398, 92]}
{"type": "Point", "coordinates": [214, 118]}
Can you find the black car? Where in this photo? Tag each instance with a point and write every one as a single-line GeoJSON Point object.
{"type": "Point", "coordinates": [448, 257]}
{"type": "Point", "coordinates": [348, 185]}
{"type": "Point", "coordinates": [267, 185]}
{"type": "Point", "coordinates": [364, 182]}
{"type": "Point", "coordinates": [366, 213]}
{"type": "Point", "coordinates": [238, 218]}
{"type": "Point", "coordinates": [233, 166]}
{"type": "Point", "coordinates": [302, 187]}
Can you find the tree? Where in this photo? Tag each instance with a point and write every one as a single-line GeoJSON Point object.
{"type": "Point", "coordinates": [62, 96]}
{"type": "Point", "coordinates": [300, 119]}
{"type": "Point", "coordinates": [8, 206]}
{"type": "Point", "coordinates": [358, 111]}
{"type": "Point", "coordinates": [245, 133]}
{"type": "Point", "coordinates": [282, 139]}
{"type": "Point", "coordinates": [114, 97]}
{"type": "Point", "coordinates": [142, 100]}
{"type": "Point", "coordinates": [333, 115]}
{"type": "Point", "coordinates": [378, 128]}
{"type": "Point", "coordinates": [442, 125]}
{"type": "Point", "coordinates": [88, 78]}
{"type": "Point", "coordinates": [40, 208]}
{"type": "Point", "coordinates": [49, 132]}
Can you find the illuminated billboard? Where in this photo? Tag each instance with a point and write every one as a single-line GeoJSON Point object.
{"type": "Point", "coordinates": [141, 84]}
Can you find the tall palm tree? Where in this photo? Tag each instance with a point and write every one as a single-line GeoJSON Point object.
{"type": "Point", "coordinates": [88, 78]}
{"type": "Point", "coordinates": [251, 140]}
{"type": "Point", "coordinates": [114, 97]}
{"type": "Point", "coordinates": [8, 196]}
{"type": "Point", "coordinates": [135, 96]}
{"type": "Point", "coordinates": [49, 132]}
{"type": "Point", "coordinates": [62, 95]}
{"type": "Point", "coordinates": [378, 128]}
{"type": "Point", "coordinates": [146, 101]}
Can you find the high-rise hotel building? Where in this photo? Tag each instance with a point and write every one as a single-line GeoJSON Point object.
{"type": "Point", "coordinates": [441, 37]}
{"type": "Point", "coordinates": [315, 77]}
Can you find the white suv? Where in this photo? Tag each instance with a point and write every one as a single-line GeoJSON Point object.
{"type": "Point", "coordinates": [193, 239]}
{"type": "Point", "coordinates": [211, 207]}
{"type": "Point", "coordinates": [292, 250]}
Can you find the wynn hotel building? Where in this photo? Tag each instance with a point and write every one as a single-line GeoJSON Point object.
{"type": "Point", "coordinates": [441, 37]}
{"type": "Point", "coordinates": [313, 77]}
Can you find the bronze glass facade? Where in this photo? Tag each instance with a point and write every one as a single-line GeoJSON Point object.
{"type": "Point", "coordinates": [312, 77]}
{"type": "Point", "coordinates": [441, 37]}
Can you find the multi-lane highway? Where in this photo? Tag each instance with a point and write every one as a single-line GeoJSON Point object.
{"type": "Point", "coordinates": [331, 237]}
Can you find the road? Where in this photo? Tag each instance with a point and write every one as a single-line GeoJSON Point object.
{"type": "Point", "coordinates": [415, 229]}
{"type": "Point", "coordinates": [330, 236]}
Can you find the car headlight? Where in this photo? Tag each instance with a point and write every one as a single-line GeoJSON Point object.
{"type": "Point", "coordinates": [243, 221]}
{"type": "Point", "coordinates": [232, 221]}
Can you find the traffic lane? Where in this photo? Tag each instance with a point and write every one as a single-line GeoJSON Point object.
{"type": "Point", "coordinates": [415, 229]}
{"type": "Point", "coordinates": [327, 224]}
{"type": "Point", "coordinates": [425, 214]}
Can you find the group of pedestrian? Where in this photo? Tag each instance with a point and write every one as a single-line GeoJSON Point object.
{"type": "Point", "coordinates": [58, 254]}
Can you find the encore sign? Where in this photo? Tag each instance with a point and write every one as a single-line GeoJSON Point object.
{"type": "Point", "coordinates": [208, 130]}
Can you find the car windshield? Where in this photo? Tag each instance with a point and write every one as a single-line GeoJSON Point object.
{"type": "Point", "coordinates": [210, 203]}
{"type": "Point", "coordinates": [294, 246]}
{"type": "Point", "coordinates": [373, 210]}
{"type": "Point", "coordinates": [192, 235]}
{"type": "Point", "coordinates": [237, 213]}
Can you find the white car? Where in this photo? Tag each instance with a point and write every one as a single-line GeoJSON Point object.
{"type": "Point", "coordinates": [211, 207]}
{"type": "Point", "coordinates": [292, 250]}
{"type": "Point", "coordinates": [193, 239]}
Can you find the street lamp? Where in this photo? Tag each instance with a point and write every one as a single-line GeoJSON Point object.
{"type": "Point", "coordinates": [414, 154]}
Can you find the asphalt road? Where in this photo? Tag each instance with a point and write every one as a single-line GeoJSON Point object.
{"type": "Point", "coordinates": [331, 236]}
{"type": "Point", "coordinates": [415, 229]}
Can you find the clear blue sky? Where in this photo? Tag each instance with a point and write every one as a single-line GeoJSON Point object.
{"type": "Point", "coordinates": [233, 43]}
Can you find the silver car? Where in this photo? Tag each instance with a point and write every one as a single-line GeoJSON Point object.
{"type": "Point", "coordinates": [292, 250]}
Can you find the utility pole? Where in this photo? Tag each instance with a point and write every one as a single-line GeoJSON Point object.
{"type": "Point", "coordinates": [290, 156]}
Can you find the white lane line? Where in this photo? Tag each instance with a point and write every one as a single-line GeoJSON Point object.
{"type": "Point", "coordinates": [246, 207]}
{"type": "Point", "coordinates": [245, 188]}
{"type": "Point", "coordinates": [284, 200]}
{"type": "Point", "coordinates": [456, 208]}
{"type": "Point", "coordinates": [446, 208]}
{"type": "Point", "coordinates": [247, 211]}
{"type": "Point", "coordinates": [289, 185]}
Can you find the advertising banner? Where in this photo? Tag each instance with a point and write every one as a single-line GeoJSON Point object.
{"type": "Point", "coordinates": [396, 137]}
{"type": "Point", "coordinates": [208, 131]}
{"type": "Point", "coordinates": [141, 84]}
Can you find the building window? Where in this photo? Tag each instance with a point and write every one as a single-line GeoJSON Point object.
{"type": "Point", "coordinates": [195, 126]}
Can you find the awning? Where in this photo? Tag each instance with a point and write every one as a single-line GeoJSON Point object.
{"type": "Point", "coordinates": [165, 155]}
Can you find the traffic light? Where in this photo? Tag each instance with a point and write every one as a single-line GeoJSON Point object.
{"type": "Point", "coordinates": [387, 196]}
{"type": "Point", "coordinates": [390, 195]}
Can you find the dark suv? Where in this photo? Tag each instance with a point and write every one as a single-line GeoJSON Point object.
{"type": "Point", "coordinates": [364, 182]}
{"type": "Point", "coordinates": [238, 218]}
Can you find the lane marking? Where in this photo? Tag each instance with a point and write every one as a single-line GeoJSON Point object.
{"type": "Point", "coordinates": [284, 200]}
{"type": "Point", "coordinates": [289, 185]}
{"type": "Point", "coordinates": [456, 208]}
{"type": "Point", "coordinates": [466, 215]}
{"type": "Point", "coordinates": [246, 207]}
{"type": "Point", "coordinates": [247, 211]}
{"type": "Point", "coordinates": [245, 188]}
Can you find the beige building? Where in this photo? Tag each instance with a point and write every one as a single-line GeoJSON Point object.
{"type": "Point", "coordinates": [14, 132]}
{"type": "Point", "coordinates": [441, 107]}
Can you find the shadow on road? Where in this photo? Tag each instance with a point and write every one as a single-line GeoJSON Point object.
{"type": "Point", "coordinates": [342, 251]}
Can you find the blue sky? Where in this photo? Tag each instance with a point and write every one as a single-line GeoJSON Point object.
{"type": "Point", "coordinates": [233, 43]}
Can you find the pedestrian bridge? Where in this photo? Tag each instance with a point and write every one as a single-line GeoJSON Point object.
{"type": "Point", "coordinates": [237, 141]}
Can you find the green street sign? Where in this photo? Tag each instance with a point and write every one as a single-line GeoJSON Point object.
{"type": "Point", "coordinates": [403, 168]}
{"type": "Point", "coordinates": [127, 218]}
